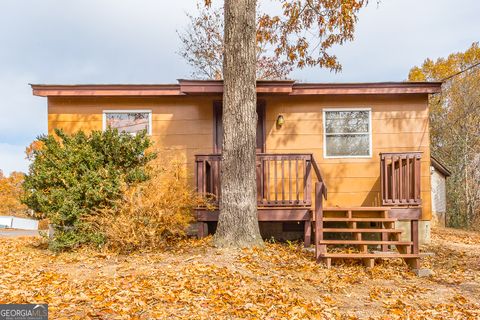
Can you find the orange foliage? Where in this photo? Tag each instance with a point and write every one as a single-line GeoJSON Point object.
{"type": "Point", "coordinates": [300, 35]}
{"type": "Point", "coordinates": [35, 145]}
{"type": "Point", "coordinates": [151, 214]}
{"type": "Point", "coordinates": [455, 133]}
{"type": "Point", "coordinates": [193, 280]}
{"type": "Point", "coordinates": [445, 67]}
{"type": "Point", "coordinates": [10, 193]}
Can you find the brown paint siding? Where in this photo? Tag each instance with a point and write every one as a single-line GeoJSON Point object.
{"type": "Point", "coordinates": [185, 124]}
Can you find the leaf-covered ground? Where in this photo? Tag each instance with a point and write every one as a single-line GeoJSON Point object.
{"type": "Point", "coordinates": [197, 281]}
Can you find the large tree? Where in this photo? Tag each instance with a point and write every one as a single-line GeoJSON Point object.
{"type": "Point", "coordinates": [302, 35]}
{"type": "Point", "coordinates": [455, 129]}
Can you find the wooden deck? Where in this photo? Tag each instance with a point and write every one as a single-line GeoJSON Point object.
{"type": "Point", "coordinates": [283, 180]}
{"type": "Point", "coordinates": [284, 194]}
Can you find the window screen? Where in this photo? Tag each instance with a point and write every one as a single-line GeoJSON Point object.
{"type": "Point", "coordinates": [347, 133]}
{"type": "Point", "coordinates": [130, 122]}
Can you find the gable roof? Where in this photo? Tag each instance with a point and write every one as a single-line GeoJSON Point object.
{"type": "Point", "coordinates": [215, 87]}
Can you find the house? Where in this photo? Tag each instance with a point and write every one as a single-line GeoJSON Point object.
{"type": "Point", "coordinates": [439, 174]}
{"type": "Point", "coordinates": [345, 158]}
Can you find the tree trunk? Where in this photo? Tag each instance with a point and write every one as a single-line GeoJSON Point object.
{"type": "Point", "coordinates": [238, 222]}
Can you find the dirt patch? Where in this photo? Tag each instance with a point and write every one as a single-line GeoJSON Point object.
{"type": "Point", "coordinates": [195, 280]}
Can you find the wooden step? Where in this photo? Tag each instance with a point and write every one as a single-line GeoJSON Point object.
{"type": "Point", "coordinates": [357, 209]}
{"type": "Point", "coordinates": [369, 255]}
{"type": "Point", "coordinates": [367, 242]}
{"type": "Point", "coordinates": [366, 230]}
{"type": "Point", "coordinates": [359, 219]}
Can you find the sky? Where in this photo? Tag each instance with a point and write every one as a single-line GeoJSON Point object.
{"type": "Point", "coordinates": [135, 41]}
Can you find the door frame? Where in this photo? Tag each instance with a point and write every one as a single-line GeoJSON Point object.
{"type": "Point", "coordinates": [217, 108]}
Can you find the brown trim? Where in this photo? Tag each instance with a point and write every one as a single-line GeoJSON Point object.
{"type": "Point", "coordinates": [262, 106]}
{"type": "Point", "coordinates": [366, 88]}
{"type": "Point", "coordinates": [216, 86]}
{"type": "Point", "coordinates": [405, 213]}
{"type": "Point", "coordinates": [107, 90]}
{"type": "Point", "coordinates": [201, 87]}
{"type": "Point", "coordinates": [217, 105]}
{"type": "Point", "coordinates": [277, 214]}
{"type": "Point", "coordinates": [440, 167]}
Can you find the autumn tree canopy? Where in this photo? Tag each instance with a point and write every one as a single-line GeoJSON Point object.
{"type": "Point", "coordinates": [10, 193]}
{"type": "Point", "coordinates": [455, 129]}
{"type": "Point", "coordinates": [290, 34]}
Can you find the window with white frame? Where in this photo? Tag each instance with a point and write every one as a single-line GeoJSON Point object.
{"type": "Point", "coordinates": [130, 121]}
{"type": "Point", "coordinates": [347, 133]}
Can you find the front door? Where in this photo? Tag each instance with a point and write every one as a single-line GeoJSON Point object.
{"type": "Point", "coordinates": [218, 130]}
{"type": "Point", "coordinates": [218, 137]}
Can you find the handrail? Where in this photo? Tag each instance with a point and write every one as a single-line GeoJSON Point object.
{"type": "Point", "coordinates": [282, 179]}
{"type": "Point", "coordinates": [318, 173]}
{"type": "Point", "coordinates": [400, 176]}
{"type": "Point", "coordinates": [320, 249]}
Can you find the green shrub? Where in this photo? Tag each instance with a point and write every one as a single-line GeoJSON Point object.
{"type": "Point", "coordinates": [74, 175]}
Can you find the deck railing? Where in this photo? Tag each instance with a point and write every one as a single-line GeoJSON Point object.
{"type": "Point", "coordinates": [283, 180]}
{"type": "Point", "coordinates": [400, 177]}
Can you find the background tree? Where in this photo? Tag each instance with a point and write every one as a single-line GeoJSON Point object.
{"type": "Point", "coordinates": [10, 193]}
{"type": "Point", "coordinates": [302, 35]}
{"type": "Point", "coordinates": [202, 47]}
{"type": "Point", "coordinates": [455, 129]}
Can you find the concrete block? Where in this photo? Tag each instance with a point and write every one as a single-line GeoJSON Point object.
{"type": "Point", "coordinates": [424, 272]}
{"type": "Point", "coordinates": [424, 231]}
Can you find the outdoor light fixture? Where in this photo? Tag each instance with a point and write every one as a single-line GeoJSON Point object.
{"type": "Point", "coordinates": [280, 121]}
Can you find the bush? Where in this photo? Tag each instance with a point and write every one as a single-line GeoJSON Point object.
{"type": "Point", "coordinates": [74, 175]}
{"type": "Point", "coordinates": [151, 214]}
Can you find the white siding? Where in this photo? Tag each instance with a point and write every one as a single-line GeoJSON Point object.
{"type": "Point", "coordinates": [439, 197]}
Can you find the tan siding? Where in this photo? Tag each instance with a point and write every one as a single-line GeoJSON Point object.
{"type": "Point", "coordinates": [399, 123]}
{"type": "Point", "coordinates": [184, 125]}
{"type": "Point", "coordinates": [73, 126]}
{"type": "Point", "coordinates": [180, 125]}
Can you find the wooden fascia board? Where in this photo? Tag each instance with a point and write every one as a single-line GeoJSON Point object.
{"type": "Point", "coordinates": [199, 87]}
{"type": "Point", "coordinates": [216, 86]}
{"type": "Point", "coordinates": [105, 90]}
{"type": "Point", "coordinates": [367, 88]}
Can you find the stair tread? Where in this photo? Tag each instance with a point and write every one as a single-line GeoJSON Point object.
{"type": "Point", "coordinates": [369, 255]}
{"type": "Point", "coordinates": [366, 242]}
{"type": "Point", "coordinates": [358, 230]}
{"type": "Point", "coordinates": [343, 219]}
{"type": "Point", "coordinates": [342, 209]}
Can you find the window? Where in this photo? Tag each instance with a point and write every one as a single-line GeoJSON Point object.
{"type": "Point", "coordinates": [130, 121]}
{"type": "Point", "coordinates": [347, 133]}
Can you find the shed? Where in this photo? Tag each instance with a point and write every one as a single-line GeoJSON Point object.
{"type": "Point", "coordinates": [439, 173]}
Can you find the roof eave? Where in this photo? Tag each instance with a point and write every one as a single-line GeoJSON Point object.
{"type": "Point", "coordinates": [439, 166]}
{"type": "Point", "coordinates": [367, 88]}
{"type": "Point", "coordinates": [44, 90]}
{"type": "Point", "coordinates": [215, 87]}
